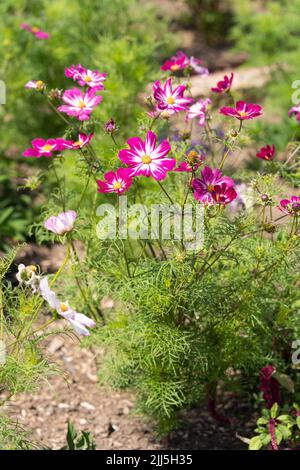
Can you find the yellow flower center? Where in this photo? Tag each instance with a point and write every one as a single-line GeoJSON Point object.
{"type": "Point", "coordinates": [39, 84]}
{"type": "Point", "coordinates": [47, 148]}
{"type": "Point", "coordinates": [175, 67]}
{"type": "Point", "coordinates": [31, 268]}
{"type": "Point", "coordinates": [35, 29]}
{"type": "Point", "coordinates": [88, 79]}
{"type": "Point", "coordinates": [81, 104]}
{"type": "Point", "coordinates": [243, 114]}
{"type": "Point", "coordinates": [170, 100]}
{"type": "Point", "coordinates": [210, 187]}
{"type": "Point", "coordinates": [63, 307]}
{"type": "Point", "coordinates": [77, 144]}
{"type": "Point", "coordinates": [146, 159]}
{"type": "Point", "coordinates": [117, 185]}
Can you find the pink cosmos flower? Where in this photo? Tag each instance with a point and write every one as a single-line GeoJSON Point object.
{"type": "Point", "coordinates": [223, 86]}
{"type": "Point", "coordinates": [223, 194]}
{"type": "Point", "coordinates": [82, 140]}
{"type": "Point", "coordinates": [62, 223]}
{"type": "Point", "coordinates": [79, 321]}
{"type": "Point", "coordinates": [295, 110]}
{"type": "Point", "coordinates": [266, 153]}
{"type": "Point", "coordinates": [290, 206]}
{"type": "Point", "coordinates": [177, 62]}
{"type": "Point", "coordinates": [45, 148]}
{"type": "Point", "coordinates": [198, 110]}
{"type": "Point", "coordinates": [79, 104]}
{"type": "Point", "coordinates": [86, 77]}
{"type": "Point", "coordinates": [205, 185]}
{"type": "Point", "coordinates": [242, 111]}
{"type": "Point", "coordinates": [38, 85]}
{"type": "Point", "coordinates": [117, 182]}
{"type": "Point", "coordinates": [170, 100]}
{"type": "Point", "coordinates": [38, 33]}
{"type": "Point", "coordinates": [180, 61]}
{"type": "Point", "coordinates": [147, 159]}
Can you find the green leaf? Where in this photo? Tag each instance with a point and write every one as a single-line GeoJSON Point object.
{"type": "Point", "coordinates": [285, 381]}
{"type": "Point", "coordinates": [255, 443]}
{"type": "Point", "coordinates": [274, 410]}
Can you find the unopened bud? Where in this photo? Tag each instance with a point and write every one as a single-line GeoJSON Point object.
{"type": "Point", "coordinates": [264, 198]}
{"type": "Point", "coordinates": [110, 126]}
{"type": "Point", "coordinates": [55, 94]}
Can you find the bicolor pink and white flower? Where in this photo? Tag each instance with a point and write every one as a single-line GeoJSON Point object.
{"type": "Point", "coordinates": [45, 148]}
{"type": "Point", "coordinates": [38, 85]}
{"type": "Point", "coordinates": [223, 86]}
{"type": "Point", "coordinates": [28, 275]}
{"type": "Point", "coordinates": [147, 158]}
{"type": "Point", "coordinates": [82, 141]}
{"type": "Point", "coordinates": [86, 77]}
{"type": "Point", "coordinates": [267, 152]}
{"type": "Point", "coordinates": [290, 206]}
{"type": "Point", "coordinates": [223, 194]}
{"type": "Point", "coordinates": [205, 185]}
{"type": "Point", "coordinates": [79, 104]}
{"type": "Point", "coordinates": [116, 182]}
{"type": "Point", "coordinates": [37, 32]}
{"type": "Point", "coordinates": [169, 99]}
{"type": "Point", "coordinates": [78, 321]}
{"type": "Point", "coordinates": [199, 110]}
{"type": "Point", "coordinates": [295, 111]}
{"type": "Point", "coordinates": [242, 111]}
{"type": "Point", "coordinates": [62, 223]}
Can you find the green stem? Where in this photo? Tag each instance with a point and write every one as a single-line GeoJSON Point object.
{"type": "Point", "coordinates": [163, 189]}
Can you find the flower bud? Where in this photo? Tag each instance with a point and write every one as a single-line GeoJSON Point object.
{"type": "Point", "coordinates": [55, 94]}
{"type": "Point", "coordinates": [110, 126]}
{"type": "Point", "coordinates": [264, 198]}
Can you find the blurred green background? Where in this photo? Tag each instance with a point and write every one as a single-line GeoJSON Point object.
{"type": "Point", "coordinates": [128, 39]}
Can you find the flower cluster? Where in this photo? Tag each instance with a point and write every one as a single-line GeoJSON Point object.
{"type": "Point", "coordinates": [269, 385]}
{"type": "Point", "coordinates": [213, 188]}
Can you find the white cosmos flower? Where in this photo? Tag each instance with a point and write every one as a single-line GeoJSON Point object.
{"type": "Point", "coordinates": [79, 321]}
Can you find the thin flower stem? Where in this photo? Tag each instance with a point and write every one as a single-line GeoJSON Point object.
{"type": "Point", "coordinates": [59, 187]}
{"type": "Point", "coordinates": [83, 192]}
{"type": "Point", "coordinates": [95, 312]}
{"type": "Point", "coordinates": [163, 189]}
{"type": "Point", "coordinates": [230, 148]}
{"type": "Point", "coordinates": [44, 325]}
{"type": "Point", "coordinates": [114, 140]}
{"type": "Point", "coordinates": [188, 189]}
